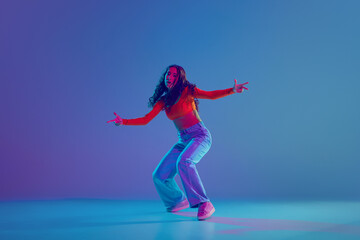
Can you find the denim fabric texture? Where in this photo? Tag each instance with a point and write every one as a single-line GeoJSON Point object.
{"type": "Point", "coordinates": [194, 142]}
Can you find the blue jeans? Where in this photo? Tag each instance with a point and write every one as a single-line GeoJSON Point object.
{"type": "Point", "coordinates": [194, 142]}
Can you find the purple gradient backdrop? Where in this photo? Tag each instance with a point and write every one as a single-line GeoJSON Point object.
{"type": "Point", "coordinates": [66, 66]}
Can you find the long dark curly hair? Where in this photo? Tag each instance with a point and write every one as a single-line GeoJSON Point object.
{"type": "Point", "coordinates": [170, 97]}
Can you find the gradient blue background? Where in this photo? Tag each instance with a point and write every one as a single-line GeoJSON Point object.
{"type": "Point", "coordinates": [66, 66]}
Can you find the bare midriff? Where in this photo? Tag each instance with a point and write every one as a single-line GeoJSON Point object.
{"type": "Point", "coordinates": [187, 120]}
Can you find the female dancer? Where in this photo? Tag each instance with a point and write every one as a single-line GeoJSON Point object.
{"type": "Point", "coordinates": [178, 97]}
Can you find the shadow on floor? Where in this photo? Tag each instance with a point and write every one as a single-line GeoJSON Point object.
{"type": "Point", "coordinates": [253, 224]}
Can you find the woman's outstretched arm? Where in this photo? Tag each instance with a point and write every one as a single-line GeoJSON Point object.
{"type": "Point", "coordinates": [142, 120]}
{"type": "Point", "coordinates": [238, 88]}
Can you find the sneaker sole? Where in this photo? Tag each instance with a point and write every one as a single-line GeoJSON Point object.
{"type": "Point", "coordinates": [178, 208]}
{"type": "Point", "coordinates": [207, 216]}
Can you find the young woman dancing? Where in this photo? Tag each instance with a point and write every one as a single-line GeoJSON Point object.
{"type": "Point", "coordinates": [179, 98]}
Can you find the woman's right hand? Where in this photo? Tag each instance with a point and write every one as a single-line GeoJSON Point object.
{"type": "Point", "coordinates": [118, 120]}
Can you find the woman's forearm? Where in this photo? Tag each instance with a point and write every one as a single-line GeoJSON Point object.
{"type": "Point", "coordinates": [213, 94]}
{"type": "Point", "coordinates": [147, 118]}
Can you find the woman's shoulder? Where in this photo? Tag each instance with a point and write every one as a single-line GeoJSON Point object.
{"type": "Point", "coordinates": [190, 92]}
{"type": "Point", "coordinates": [191, 89]}
{"type": "Point", "coordinates": [161, 101]}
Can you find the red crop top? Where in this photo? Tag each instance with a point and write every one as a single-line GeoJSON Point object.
{"type": "Point", "coordinates": [183, 106]}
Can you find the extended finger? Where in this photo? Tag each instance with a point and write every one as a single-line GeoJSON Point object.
{"type": "Point", "coordinates": [243, 83]}
{"type": "Point", "coordinates": [116, 114]}
{"type": "Point", "coordinates": [111, 120]}
{"type": "Point", "coordinates": [239, 87]}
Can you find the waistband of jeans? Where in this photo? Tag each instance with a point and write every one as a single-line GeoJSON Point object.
{"type": "Point", "coordinates": [189, 129]}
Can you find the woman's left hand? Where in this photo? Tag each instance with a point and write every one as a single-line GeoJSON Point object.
{"type": "Point", "coordinates": [118, 120]}
{"type": "Point", "coordinates": [239, 88]}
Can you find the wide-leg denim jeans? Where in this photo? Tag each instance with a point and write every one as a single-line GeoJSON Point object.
{"type": "Point", "coordinates": [194, 142]}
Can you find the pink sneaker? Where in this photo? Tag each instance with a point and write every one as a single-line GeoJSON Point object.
{"type": "Point", "coordinates": [205, 210]}
{"type": "Point", "coordinates": [180, 206]}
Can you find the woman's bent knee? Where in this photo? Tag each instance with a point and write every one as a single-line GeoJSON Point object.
{"type": "Point", "coordinates": [155, 176]}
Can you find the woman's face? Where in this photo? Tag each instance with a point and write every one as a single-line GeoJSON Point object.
{"type": "Point", "coordinates": [171, 77]}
